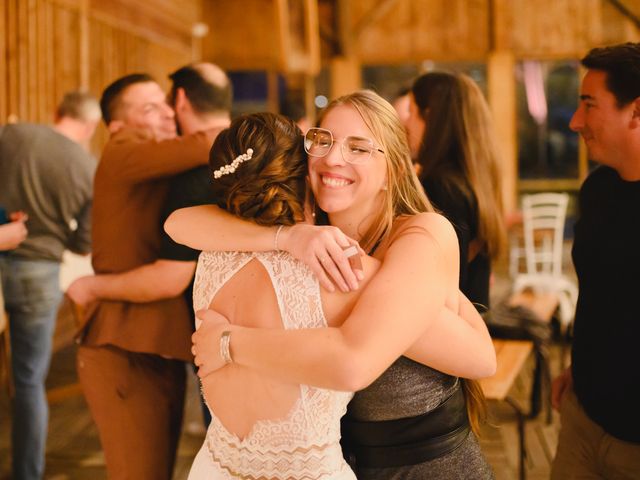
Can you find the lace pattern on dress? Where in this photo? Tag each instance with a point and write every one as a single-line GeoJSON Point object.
{"type": "Point", "coordinates": [304, 444]}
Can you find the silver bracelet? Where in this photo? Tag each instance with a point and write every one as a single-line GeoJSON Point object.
{"type": "Point", "coordinates": [275, 241]}
{"type": "Point", "coordinates": [225, 350]}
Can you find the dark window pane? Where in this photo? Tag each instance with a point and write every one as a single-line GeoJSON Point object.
{"type": "Point", "coordinates": [547, 96]}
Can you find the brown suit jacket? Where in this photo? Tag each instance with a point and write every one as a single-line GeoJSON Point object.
{"type": "Point", "coordinates": [130, 190]}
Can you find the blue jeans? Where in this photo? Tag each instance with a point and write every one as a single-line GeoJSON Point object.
{"type": "Point", "coordinates": [32, 297]}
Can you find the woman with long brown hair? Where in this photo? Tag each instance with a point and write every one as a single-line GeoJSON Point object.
{"type": "Point", "coordinates": [453, 143]}
{"type": "Point", "coordinates": [408, 420]}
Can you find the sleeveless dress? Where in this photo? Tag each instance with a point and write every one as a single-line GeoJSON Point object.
{"type": "Point", "coordinates": [408, 389]}
{"type": "Point", "coordinates": [306, 443]}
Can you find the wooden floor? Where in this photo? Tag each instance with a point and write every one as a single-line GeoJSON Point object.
{"type": "Point", "coordinates": [73, 447]}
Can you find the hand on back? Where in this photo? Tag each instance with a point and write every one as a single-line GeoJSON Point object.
{"type": "Point", "coordinates": [206, 340]}
{"type": "Point", "coordinates": [322, 248]}
{"type": "Point", "coordinates": [14, 233]}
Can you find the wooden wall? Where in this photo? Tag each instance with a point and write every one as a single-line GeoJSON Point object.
{"type": "Point", "coordinates": [51, 46]}
{"type": "Point", "coordinates": [273, 35]}
{"type": "Point", "coordinates": [419, 29]}
{"type": "Point", "coordinates": [401, 31]}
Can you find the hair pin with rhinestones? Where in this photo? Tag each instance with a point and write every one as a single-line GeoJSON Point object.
{"type": "Point", "coordinates": [231, 167]}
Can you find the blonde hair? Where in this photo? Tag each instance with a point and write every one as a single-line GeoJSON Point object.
{"type": "Point", "coordinates": [404, 194]}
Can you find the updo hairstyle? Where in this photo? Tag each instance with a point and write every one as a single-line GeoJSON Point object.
{"type": "Point", "coordinates": [269, 188]}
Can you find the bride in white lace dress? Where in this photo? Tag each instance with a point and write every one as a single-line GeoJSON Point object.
{"type": "Point", "coordinates": [263, 428]}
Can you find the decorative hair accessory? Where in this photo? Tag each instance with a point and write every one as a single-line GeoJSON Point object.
{"type": "Point", "coordinates": [230, 168]}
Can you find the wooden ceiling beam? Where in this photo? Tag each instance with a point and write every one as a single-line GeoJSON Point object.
{"type": "Point", "coordinates": [626, 11]}
{"type": "Point", "coordinates": [373, 15]}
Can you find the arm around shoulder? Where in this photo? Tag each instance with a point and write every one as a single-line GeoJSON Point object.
{"type": "Point", "coordinates": [210, 228]}
{"type": "Point", "coordinates": [394, 309]}
{"type": "Point", "coordinates": [136, 157]}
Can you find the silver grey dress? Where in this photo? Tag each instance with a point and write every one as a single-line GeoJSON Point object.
{"type": "Point", "coordinates": [409, 389]}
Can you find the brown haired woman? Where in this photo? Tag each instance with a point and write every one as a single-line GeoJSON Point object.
{"type": "Point", "coordinates": [452, 140]}
{"type": "Point", "coordinates": [262, 427]}
{"type": "Point", "coordinates": [411, 421]}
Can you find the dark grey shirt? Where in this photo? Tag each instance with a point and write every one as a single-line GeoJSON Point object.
{"type": "Point", "coordinates": [49, 177]}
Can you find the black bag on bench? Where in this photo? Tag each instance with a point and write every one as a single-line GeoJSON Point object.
{"type": "Point", "coordinates": [517, 322]}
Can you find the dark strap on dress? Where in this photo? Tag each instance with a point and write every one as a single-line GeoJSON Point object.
{"type": "Point", "coordinates": [407, 441]}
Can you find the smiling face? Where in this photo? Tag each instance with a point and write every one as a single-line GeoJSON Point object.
{"type": "Point", "coordinates": [352, 191]}
{"type": "Point", "coordinates": [144, 106]}
{"type": "Point", "coordinates": [603, 125]}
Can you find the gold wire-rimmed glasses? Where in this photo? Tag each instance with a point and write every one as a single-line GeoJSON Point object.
{"type": "Point", "coordinates": [354, 149]}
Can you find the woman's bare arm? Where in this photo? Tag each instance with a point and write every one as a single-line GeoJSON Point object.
{"type": "Point", "coordinates": [448, 333]}
{"type": "Point", "coordinates": [401, 302]}
{"type": "Point", "coordinates": [210, 228]}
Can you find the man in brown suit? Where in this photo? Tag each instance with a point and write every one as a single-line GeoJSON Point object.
{"type": "Point", "coordinates": [131, 361]}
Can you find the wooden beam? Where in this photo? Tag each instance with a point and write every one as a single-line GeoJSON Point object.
{"type": "Point", "coordinates": [312, 32]}
{"type": "Point", "coordinates": [374, 14]}
{"type": "Point", "coordinates": [83, 47]}
{"type": "Point", "coordinates": [502, 100]}
{"type": "Point", "coordinates": [284, 37]}
{"type": "Point", "coordinates": [625, 11]}
{"type": "Point", "coordinates": [344, 32]}
{"type": "Point", "coordinates": [346, 76]}
{"type": "Point", "coordinates": [309, 98]}
{"type": "Point", "coordinates": [273, 95]}
{"type": "Point", "coordinates": [3, 64]}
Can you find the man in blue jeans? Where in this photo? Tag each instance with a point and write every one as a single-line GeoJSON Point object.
{"type": "Point", "coordinates": [46, 173]}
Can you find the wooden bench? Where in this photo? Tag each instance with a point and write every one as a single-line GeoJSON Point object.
{"type": "Point", "coordinates": [544, 305]}
{"type": "Point", "coordinates": [511, 356]}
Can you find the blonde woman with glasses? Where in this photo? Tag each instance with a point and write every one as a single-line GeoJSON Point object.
{"type": "Point", "coordinates": [401, 345]}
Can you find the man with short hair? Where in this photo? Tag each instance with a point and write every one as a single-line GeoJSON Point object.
{"type": "Point", "coordinates": [201, 97]}
{"type": "Point", "coordinates": [145, 344]}
{"type": "Point", "coordinates": [44, 172]}
{"type": "Point", "coordinates": [599, 394]}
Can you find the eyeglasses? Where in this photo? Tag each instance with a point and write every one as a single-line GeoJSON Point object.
{"type": "Point", "coordinates": [318, 143]}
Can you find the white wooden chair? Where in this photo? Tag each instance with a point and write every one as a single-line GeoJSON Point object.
{"type": "Point", "coordinates": [543, 217]}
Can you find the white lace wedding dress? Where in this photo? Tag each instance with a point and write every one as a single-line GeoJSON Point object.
{"type": "Point", "coordinates": [305, 443]}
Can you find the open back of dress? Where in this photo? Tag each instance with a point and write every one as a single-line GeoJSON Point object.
{"type": "Point", "coordinates": [302, 441]}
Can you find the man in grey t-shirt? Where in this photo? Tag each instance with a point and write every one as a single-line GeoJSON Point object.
{"type": "Point", "coordinates": [48, 174]}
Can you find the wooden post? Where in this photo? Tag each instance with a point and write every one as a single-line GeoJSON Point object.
{"type": "Point", "coordinates": [84, 45]}
{"type": "Point", "coordinates": [502, 100]}
{"type": "Point", "coordinates": [346, 76]}
{"type": "Point", "coordinates": [309, 98]}
{"type": "Point", "coordinates": [3, 64]}
{"type": "Point", "coordinates": [273, 95]}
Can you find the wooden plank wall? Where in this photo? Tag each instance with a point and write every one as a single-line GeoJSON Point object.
{"type": "Point", "coordinates": [272, 35]}
{"type": "Point", "coordinates": [419, 30]}
{"type": "Point", "coordinates": [48, 47]}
